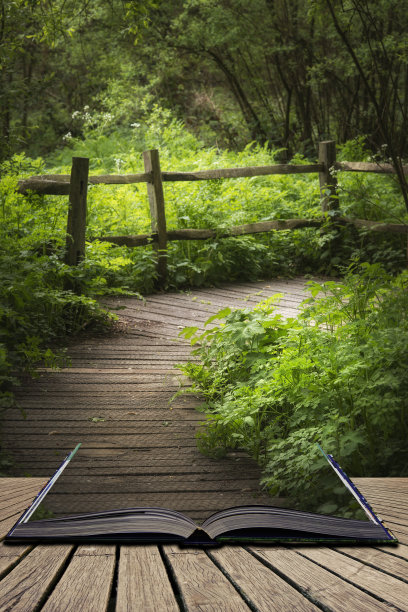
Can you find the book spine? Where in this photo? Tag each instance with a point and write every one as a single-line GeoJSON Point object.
{"type": "Point", "coordinates": [43, 492]}
{"type": "Point", "coordinates": [358, 495]}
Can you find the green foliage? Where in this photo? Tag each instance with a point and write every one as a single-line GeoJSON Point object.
{"type": "Point", "coordinates": [337, 375]}
{"type": "Point", "coordinates": [36, 307]}
{"type": "Point", "coordinates": [36, 310]}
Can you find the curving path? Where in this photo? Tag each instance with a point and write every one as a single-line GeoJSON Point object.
{"type": "Point", "coordinates": [136, 448]}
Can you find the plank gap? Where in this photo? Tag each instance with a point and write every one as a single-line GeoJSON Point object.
{"type": "Point", "coordinates": [236, 586]}
{"type": "Point", "coordinates": [173, 581]}
{"type": "Point", "coordinates": [289, 581]}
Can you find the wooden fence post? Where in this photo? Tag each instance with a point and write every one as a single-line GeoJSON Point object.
{"type": "Point", "coordinates": [75, 245]}
{"type": "Point", "coordinates": [157, 212]}
{"type": "Point", "coordinates": [328, 182]}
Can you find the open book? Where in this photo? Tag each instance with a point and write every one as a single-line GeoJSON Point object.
{"type": "Point", "coordinates": [243, 524]}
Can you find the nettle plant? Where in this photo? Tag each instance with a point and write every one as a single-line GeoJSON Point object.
{"type": "Point", "coordinates": [337, 375]}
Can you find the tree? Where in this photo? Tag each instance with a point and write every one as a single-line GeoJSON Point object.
{"type": "Point", "coordinates": [381, 61]}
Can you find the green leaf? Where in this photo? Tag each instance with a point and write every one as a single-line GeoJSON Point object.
{"type": "Point", "coordinates": [221, 314]}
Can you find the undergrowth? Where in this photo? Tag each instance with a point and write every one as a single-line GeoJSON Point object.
{"type": "Point", "coordinates": [337, 375]}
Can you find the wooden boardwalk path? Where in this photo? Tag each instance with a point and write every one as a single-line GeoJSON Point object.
{"type": "Point", "coordinates": [90, 578]}
{"type": "Point", "coordinates": [136, 450]}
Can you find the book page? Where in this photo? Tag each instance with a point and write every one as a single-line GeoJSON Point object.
{"type": "Point", "coordinates": [92, 484]}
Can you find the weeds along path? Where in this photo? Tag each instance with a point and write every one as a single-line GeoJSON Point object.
{"type": "Point", "coordinates": [137, 450]}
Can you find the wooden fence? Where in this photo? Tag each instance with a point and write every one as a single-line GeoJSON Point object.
{"type": "Point", "coordinates": [75, 186]}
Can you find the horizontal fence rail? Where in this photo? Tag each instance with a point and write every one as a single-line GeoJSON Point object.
{"type": "Point", "coordinates": [75, 186]}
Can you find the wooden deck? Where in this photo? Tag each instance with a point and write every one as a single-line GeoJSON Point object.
{"type": "Point", "coordinates": [136, 449]}
{"type": "Point", "coordinates": [98, 578]}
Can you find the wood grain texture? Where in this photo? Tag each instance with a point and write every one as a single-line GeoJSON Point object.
{"type": "Point", "coordinates": [379, 559]}
{"type": "Point", "coordinates": [7, 523]}
{"type": "Point", "coordinates": [367, 167]}
{"type": "Point", "coordinates": [263, 588]}
{"type": "Point", "coordinates": [230, 578]}
{"type": "Point", "coordinates": [202, 584]}
{"type": "Point", "coordinates": [9, 555]}
{"type": "Point", "coordinates": [76, 224]}
{"type": "Point", "coordinates": [382, 585]}
{"type": "Point", "coordinates": [86, 583]}
{"type": "Point", "coordinates": [324, 587]}
{"type": "Point", "coordinates": [27, 584]}
{"type": "Point", "coordinates": [143, 583]}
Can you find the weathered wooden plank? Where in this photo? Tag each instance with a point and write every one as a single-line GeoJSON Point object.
{"type": "Point", "coordinates": [248, 171]}
{"type": "Point", "coordinates": [17, 485]}
{"type": "Point", "coordinates": [381, 486]}
{"type": "Point", "coordinates": [182, 310]}
{"type": "Point", "coordinates": [83, 378]}
{"type": "Point", "coordinates": [8, 523]}
{"type": "Point", "coordinates": [117, 468]}
{"type": "Point", "coordinates": [378, 168]}
{"type": "Point", "coordinates": [261, 586]}
{"type": "Point", "coordinates": [58, 184]}
{"type": "Point", "coordinates": [402, 537]}
{"type": "Point", "coordinates": [398, 508]}
{"type": "Point", "coordinates": [29, 582]}
{"type": "Point", "coordinates": [122, 389]}
{"type": "Point", "coordinates": [87, 581]}
{"type": "Point", "coordinates": [37, 414]}
{"type": "Point", "coordinates": [159, 398]}
{"type": "Point", "coordinates": [379, 559]}
{"type": "Point", "coordinates": [144, 456]}
{"type": "Point", "coordinates": [399, 551]}
{"type": "Point", "coordinates": [152, 483]}
{"type": "Point", "coordinates": [97, 440]}
{"type": "Point", "coordinates": [75, 243]}
{"type": "Point", "coordinates": [324, 587]}
{"type": "Point", "coordinates": [205, 234]}
{"type": "Point", "coordinates": [10, 555]}
{"type": "Point", "coordinates": [143, 583]}
{"type": "Point", "coordinates": [17, 504]}
{"type": "Point", "coordinates": [18, 496]}
{"type": "Point", "coordinates": [396, 515]}
{"type": "Point", "coordinates": [396, 492]}
{"type": "Point", "coordinates": [221, 297]}
{"type": "Point", "coordinates": [157, 211]}
{"type": "Point", "coordinates": [376, 226]}
{"type": "Point", "coordinates": [384, 586]}
{"type": "Point", "coordinates": [394, 526]}
{"type": "Point", "coordinates": [85, 428]}
{"type": "Point", "coordinates": [202, 585]}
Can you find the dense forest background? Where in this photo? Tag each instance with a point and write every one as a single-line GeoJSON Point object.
{"type": "Point", "coordinates": [286, 72]}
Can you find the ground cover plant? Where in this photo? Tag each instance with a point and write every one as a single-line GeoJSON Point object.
{"type": "Point", "coordinates": [337, 375]}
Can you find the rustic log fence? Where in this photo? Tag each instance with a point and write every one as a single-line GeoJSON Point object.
{"type": "Point", "coordinates": [75, 186]}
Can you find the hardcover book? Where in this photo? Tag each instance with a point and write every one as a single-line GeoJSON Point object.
{"type": "Point", "coordinates": [242, 524]}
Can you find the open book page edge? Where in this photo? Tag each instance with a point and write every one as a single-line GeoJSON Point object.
{"type": "Point", "coordinates": [211, 519]}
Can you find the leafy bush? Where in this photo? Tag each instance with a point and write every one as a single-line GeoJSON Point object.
{"type": "Point", "coordinates": [337, 375]}
{"type": "Point", "coordinates": [36, 310]}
